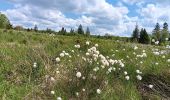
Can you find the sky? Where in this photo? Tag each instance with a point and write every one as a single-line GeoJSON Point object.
{"type": "Point", "coordinates": [116, 17]}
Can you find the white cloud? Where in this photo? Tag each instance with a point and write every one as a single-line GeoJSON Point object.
{"type": "Point", "coordinates": [132, 1]}
{"type": "Point", "coordinates": [100, 16]}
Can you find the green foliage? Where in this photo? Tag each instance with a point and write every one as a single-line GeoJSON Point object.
{"type": "Point", "coordinates": [157, 32]}
{"type": "Point", "coordinates": [135, 35]}
{"type": "Point", "coordinates": [4, 22]}
{"type": "Point", "coordinates": [20, 80]}
{"type": "Point", "coordinates": [144, 37]}
{"type": "Point", "coordinates": [165, 32]}
{"type": "Point", "coordinates": [80, 30]}
{"type": "Point", "coordinates": [87, 31]}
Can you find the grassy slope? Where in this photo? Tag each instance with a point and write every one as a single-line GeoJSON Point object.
{"type": "Point", "coordinates": [19, 50]}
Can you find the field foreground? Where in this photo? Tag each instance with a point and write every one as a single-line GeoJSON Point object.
{"type": "Point", "coordinates": [46, 67]}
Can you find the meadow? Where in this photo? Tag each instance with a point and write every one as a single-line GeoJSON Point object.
{"type": "Point", "coordinates": [37, 66]}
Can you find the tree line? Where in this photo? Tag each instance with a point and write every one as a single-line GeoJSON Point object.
{"type": "Point", "coordinates": [5, 24]}
{"type": "Point", "coordinates": [158, 34]}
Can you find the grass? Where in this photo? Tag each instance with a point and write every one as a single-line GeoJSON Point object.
{"type": "Point", "coordinates": [19, 80]}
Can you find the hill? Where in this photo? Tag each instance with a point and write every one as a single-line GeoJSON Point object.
{"type": "Point", "coordinates": [37, 66]}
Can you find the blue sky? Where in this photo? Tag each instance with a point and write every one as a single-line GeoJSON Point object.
{"type": "Point", "coordinates": [116, 17]}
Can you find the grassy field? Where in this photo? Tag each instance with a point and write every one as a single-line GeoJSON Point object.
{"type": "Point", "coordinates": [99, 69]}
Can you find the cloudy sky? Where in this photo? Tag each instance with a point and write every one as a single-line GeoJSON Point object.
{"type": "Point", "coordinates": [117, 17]}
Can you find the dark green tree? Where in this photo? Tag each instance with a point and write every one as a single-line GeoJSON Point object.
{"type": "Point", "coordinates": [87, 31]}
{"type": "Point", "coordinates": [165, 32]}
{"type": "Point", "coordinates": [144, 37]}
{"type": "Point", "coordinates": [35, 28]}
{"type": "Point", "coordinates": [62, 31]}
{"type": "Point", "coordinates": [80, 30]}
{"type": "Point", "coordinates": [4, 22]}
{"type": "Point", "coordinates": [157, 32]}
{"type": "Point", "coordinates": [72, 32]}
{"type": "Point", "coordinates": [135, 35]}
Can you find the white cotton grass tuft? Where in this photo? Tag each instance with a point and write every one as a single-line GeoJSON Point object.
{"type": "Point", "coordinates": [138, 72]}
{"type": "Point", "coordinates": [150, 86]}
{"type": "Point", "coordinates": [83, 90]}
{"type": "Point", "coordinates": [59, 98]}
{"type": "Point", "coordinates": [127, 77]}
{"type": "Point", "coordinates": [78, 74]}
{"type": "Point", "coordinates": [62, 54]}
{"type": "Point", "coordinates": [96, 45]}
{"type": "Point", "coordinates": [77, 46]}
{"type": "Point", "coordinates": [139, 77]}
{"type": "Point", "coordinates": [87, 43]}
{"type": "Point", "coordinates": [125, 72]}
{"type": "Point", "coordinates": [57, 59]}
{"type": "Point", "coordinates": [52, 92]}
{"type": "Point", "coordinates": [98, 91]}
{"type": "Point", "coordinates": [35, 65]}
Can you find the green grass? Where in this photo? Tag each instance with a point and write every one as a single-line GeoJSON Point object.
{"type": "Point", "coordinates": [19, 80]}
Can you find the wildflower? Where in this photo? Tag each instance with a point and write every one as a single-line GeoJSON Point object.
{"type": "Point", "coordinates": [98, 91]}
{"type": "Point", "coordinates": [168, 60]}
{"type": "Point", "coordinates": [163, 56]}
{"type": "Point", "coordinates": [127, 77]}
{"type": "Point", "coordinates": [52, 79]}
{"type": "Point", "coordinates": [35, 65]}
{"type": "Point", "coordinates": [166, 39]}
{"type": "Point", "coordinates": [139, 77]}
{"type": "Point", "coordinates": [87, 54]}
{"type": "Point", "coordinates": [78, 74]}
{"type": "Point", "coordinates": [102, 66]}
{"type": "Point", "coordinates": [77, 46]}
{"type": "Point", "coordinates": [96, 45]}
{"type": "Point", "coordinates": [150, 86]}
{"type": "Point", "coordinates": [156, 63]}
{"type": "Point", "coordinates": [125, 72]}
{"type": "Point", "coordinates": [57, 72]}
{"type": "Point", "coordinates": [62, 54]}
{"type": "Point", "coordinates": [52, 92]}
{"type": "Point", "coordinates": [77, 94]}
{"type": "Point", "coordinates": [138, 72]}
{"type": "Point", "coordinates": [96, 69]}
{"type": "Point", "coordinates": [157, 42]}
{"type": "Point", "coordinates": [135, 48]}
{"type": "Point", "coordinates": [153, 40]}
{"type": "Point", "coordinates": [57, 59]}
{"type": "Point", "coordinates": [72, 51]}
{"type": "Point", "coordinates": [83, 78]}
{"type": "Point", "coordinates": [83, 90]}
{"type": "Point", "coordinates": [59, 98]}
{"type": "Point", "coordinates": [87, 43]}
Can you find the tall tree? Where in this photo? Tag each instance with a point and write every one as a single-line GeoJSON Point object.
{"type": "Point", "coordinates": [80, 29]}
{"type": "Point", "coordinates": [157, 32]}
{"type": "Point", "coordinates": [35, 28]}
{"type": "Point", "coordinates": [72, 32]}
{"type": "Point", "coordinates": [88, 31]}
{"type": "Point", "coordinates": [4, 22]}
{"type": "Point", "coordinates": [165, 32]}
{"type": "Point", "coordinates": [144, 37]}
{"type": "Point", "coordinates": [135, 35]}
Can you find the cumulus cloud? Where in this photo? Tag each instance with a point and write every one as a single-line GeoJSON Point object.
{"type": "Point", "coordinates": [102, 17]}
{"type": "Point", "coordinates": [153, 13]}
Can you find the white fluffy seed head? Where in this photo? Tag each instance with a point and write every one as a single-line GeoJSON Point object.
{"type": "Point", "coordinates": [52, 92]}
{"type": "Point", "coordinates": [127, 77]}
{"type": "Point", "coordinates": [150, 86]}
{"type": "Point", "coordinates": [59, 98]}
{"type": "Point", "coordinates": [139, 77]}
{"type": "Point", "coordinates": [57, 59]}
{"type": "Point", "coordinates": [98, 91]}
{"type": "Point", "coordinates": [78, 74]}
